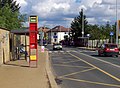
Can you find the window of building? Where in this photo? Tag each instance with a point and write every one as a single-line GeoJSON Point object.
{"type": "Point", "coordinates": [55, 33]}
{"type": "Point", "coordinates": [55, 39]}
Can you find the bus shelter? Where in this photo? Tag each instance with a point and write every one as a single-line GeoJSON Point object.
{"type": "Point", "coordinates": [19, 44]}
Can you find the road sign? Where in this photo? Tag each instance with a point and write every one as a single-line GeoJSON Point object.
{"type": "Point", "coordinates": [111, 33]}
{"type": "Point", "coordinates": [55, 36]}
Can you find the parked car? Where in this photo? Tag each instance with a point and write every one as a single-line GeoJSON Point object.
{"type": "Point", "coordinates": [57, 46]}
{"type": "Point", "coordinates": [108, 50]}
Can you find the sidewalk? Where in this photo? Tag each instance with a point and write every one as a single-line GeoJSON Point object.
{"type": "Point", "coordinates": [18, 74]}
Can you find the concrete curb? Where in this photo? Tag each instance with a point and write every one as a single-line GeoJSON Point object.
{"type": "Point", "coordinates": [51, 77]}
{"type": "Point", "coordinates": [86, 48]}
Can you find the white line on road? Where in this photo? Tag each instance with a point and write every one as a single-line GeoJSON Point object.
{"type": "Point", "coordinates": [110, 75]}
{"type": "Point", "coordinates": [85, 81]}
{"type": "Point", "coordinates": [101, 60]}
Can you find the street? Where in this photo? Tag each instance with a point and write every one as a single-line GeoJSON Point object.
{"type": "Point", "coordinates": [76, 68]}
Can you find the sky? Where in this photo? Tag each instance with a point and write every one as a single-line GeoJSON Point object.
{"type": "Point", "coordinates": [62, 12]}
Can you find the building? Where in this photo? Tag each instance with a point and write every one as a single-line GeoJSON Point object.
{"type": "Point", "coordinates": [4, 45]}
{"type": "Point", "coordinates": [42, 35]}
{"type": "Point", "coordinates": [57, 34]}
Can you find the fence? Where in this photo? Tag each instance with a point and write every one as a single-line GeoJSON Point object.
{"type": "Point", "coordinates": [96, 43]}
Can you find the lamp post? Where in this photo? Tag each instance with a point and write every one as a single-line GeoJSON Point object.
{"type": "Point", "coordinates": [82, 23]}
{"type": "Point", "coordinates": [116, 25]}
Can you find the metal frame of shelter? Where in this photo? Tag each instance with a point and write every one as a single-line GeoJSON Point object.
{"type": "Point", "coordinates": [15, 43]}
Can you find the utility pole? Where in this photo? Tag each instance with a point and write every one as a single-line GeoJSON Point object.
{"type": "Point", "coordinates": [116, 25]}
{"type": "Point", "coordinates": [82, 23]}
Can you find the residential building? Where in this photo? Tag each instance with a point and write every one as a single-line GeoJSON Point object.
{"type": "Point", "coordinates": [57, 34]}
{"type": "Point", "coordinates": [42, 35]}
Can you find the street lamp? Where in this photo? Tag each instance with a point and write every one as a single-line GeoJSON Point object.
{"type": "Point", "coordinates": [88, 35]}
{"type": "Point", "coordinates": [116, 25]}
{"type": "Point", "coordinates": [82, 23]}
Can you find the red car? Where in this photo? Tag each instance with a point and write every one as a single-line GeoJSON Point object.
{"type": "Point", "coordinates": [108, 50]}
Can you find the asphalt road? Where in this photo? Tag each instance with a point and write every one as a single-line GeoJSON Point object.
{"type": "Point", "coordinates": [76, 68]}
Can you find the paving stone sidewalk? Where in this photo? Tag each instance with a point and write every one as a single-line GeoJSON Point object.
{"type": "Point", "coordinates": [18, 74]}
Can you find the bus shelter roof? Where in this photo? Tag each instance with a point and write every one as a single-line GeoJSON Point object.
{"type": "Point", "coordinates": [21, 31]}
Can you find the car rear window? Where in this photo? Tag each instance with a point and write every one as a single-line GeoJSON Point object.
{"type": "Point", "coordinates": [111, 46]}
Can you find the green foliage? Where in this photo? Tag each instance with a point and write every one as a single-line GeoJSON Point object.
{"type": "Point", "coordinates": [14, 7]}
{"type": "Point", "coordinates": [102, 31]}
{"type": "Point", "coordinates": [10, 17]}
{"type": "Point", "coordinates": [95, 31]}
{"type": "Point", "coordinates": [76, 26]}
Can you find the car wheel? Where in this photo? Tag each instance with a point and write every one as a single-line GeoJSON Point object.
{"type": "Point", "coordinates": [116, 55]}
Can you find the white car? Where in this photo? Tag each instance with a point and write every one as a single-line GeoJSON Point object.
{"type": "Point", "coordinates": [57, 47]}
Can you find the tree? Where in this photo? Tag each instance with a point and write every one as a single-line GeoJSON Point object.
{"type": "Point", "coordinates": [76, 26]}
{"type": "Point", "coordinates": [10, 16]}
{"type": "Point", "coordinates": [94, 31]}
{"type": "Point", "coordinates": [14, 7]}
{"type": "Point", "coordinates": [114, 32]}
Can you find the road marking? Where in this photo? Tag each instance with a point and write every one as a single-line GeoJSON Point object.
{"type": "Point", "coordinates": [98, 83]}
{"type": "Point", "coordinates": [50, 51]}
{"type": "Point", "coordinates": [96, 68]}
{"type": "Point", "coordinates": [104, 61]}
{"type": "Point", "coordinates": [71, 66]}
{"type": "Point", "coordinates": [69, 51]}
{"type": "Point", "coordinates": [76, 72]}
{"type": "Point", "coordinates": [61, 51]}
{"type": "Point", "coordinates": [70, 62]}
{"type": "Point", "coordinates": [101, 60]}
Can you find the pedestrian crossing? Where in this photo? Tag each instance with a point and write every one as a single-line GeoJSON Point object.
{"type": "Point", "coordinates": [67, 51]}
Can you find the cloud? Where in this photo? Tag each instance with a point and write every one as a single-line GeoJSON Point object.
{"type": "Point", "coordinates": [21, 2]}
{"type": "Point", "coordinates": [112, 2]}
{"type": "Point", "coordinates": [102, 11]}
{"type": "Point", "coordinates": [89, 3]}
{"type": "Point", "coordinates": [92, 20]}
{"type": "Point", "coordinates": [62, 12]}
{"type": "Point", "coordinates": [44, 10]}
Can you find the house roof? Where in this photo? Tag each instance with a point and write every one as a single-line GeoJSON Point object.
{"type": "Point", "coordinates": [43, 29]}
{"type": "Point", "coordinates": [59, 29]}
